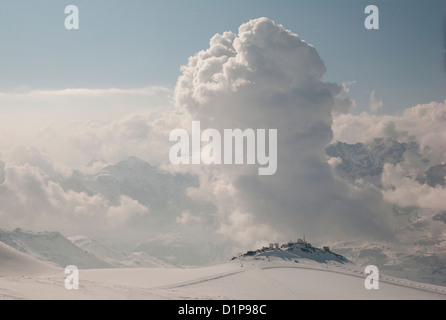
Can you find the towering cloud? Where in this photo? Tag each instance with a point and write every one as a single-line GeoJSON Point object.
{"type": "Point", "coordinates": [267, 77]}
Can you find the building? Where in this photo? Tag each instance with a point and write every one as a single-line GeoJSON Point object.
{"type": "Point", "coordinates": [303, 242]}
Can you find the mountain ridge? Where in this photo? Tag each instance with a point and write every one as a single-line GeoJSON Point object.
{"type": "Point", "coordinates": [51, 247]}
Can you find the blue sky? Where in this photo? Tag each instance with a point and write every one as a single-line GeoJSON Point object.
{"type": "Point", "coordinates": [132, 44]}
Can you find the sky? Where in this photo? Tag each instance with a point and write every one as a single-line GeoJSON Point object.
{"type": "Point", "coordinates": [143, 43]}
{"type": "Point", "coordinates": [135, 71]}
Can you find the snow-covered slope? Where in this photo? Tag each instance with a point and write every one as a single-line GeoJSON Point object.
{"type": "Point", "coordinates": [81, 251]}
{"type": "Point", "coordinates": [15, 263]}
{"type": "Point", "coordinates": [267, 275]}
{"type": "Point", "coordinates": [423, 260]}
{"type": "Point", "coordinates": [118, 258]}
{"type": "Point", "coordinates": [51, 247]}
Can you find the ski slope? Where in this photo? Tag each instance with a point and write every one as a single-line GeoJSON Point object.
{"type": "Point", "coordinates": [263, 276]}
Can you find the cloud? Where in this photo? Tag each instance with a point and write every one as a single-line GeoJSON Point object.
{"type": "Point", "coordinates": [31, 198]}
{"type": "Point", "coordinates": [401, 189]}
{"type": "Point", "coordinates": [65, 98]}
{"type": "Point", "coordinates": [424, 124]}
{"type": "Point", "coordinates": [262, 77]}
{"type": "Point", "coordinates": [188, 218]}
{"type": "Point", "coordinates": [267, 77]}
{"type": "Point", "coordinates": [2, 172]}
{"type": "Point", "coordinates": [141, 134]}
{"type": "Point", "coordinates": [402, 184]}
{"type": "Point", "coordinates": [375, 104]}
{"type": "Point", "coordinates": [75, 126]}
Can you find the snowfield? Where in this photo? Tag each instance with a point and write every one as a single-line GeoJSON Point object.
{"type": "Point", "coordinates": [274, 275]}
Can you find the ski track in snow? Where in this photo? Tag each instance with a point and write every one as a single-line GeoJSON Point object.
{"type": "Point", "coordinates": [267, 276]}
{"type": "Point", "coordinates": [52, 286]}
{"type": "Point", "coordinates": [256, 268]}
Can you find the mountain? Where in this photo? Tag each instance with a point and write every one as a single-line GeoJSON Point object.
{"type": "Point", "coordinates": [422, 260]}
{"type": "Point", "coordinates": [436, 176]}
{"type": "Point", "coordinates": [136, 179]}
{"type": "Point", "coordinates": [163, 193]}
{"type": "Point", "coordinates": [118, 258]}
{"type": "Point", "coordinates": [181, 250]}
{"type": "Point", "coordinates": [413, 255]}
{"type": "Point", "coordinates": [441, 216]}
{"type": "Point", "coordinates": [367, 160]}
{"type": "Point", "coordinates": [51, 247]}
{"type": "Point", "coordinates": [16, 263]}
{"type": "Point", "coordinates": [83, 252]}
{"type": "Point", "coordinates": [295, 251]}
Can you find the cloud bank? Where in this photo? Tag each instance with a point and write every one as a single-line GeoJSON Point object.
{"type": "Point", "coordinates": [424, 123]}
{"type": "Point", "coordinates": [403, 183]}
{"type": "Point", "coordinates": [32, 197]}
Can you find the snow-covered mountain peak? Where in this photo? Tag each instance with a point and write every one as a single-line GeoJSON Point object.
{"type": "Point", "coordinates": [130, 167]}
{"type": "Point", "coordinates": [294, 251]}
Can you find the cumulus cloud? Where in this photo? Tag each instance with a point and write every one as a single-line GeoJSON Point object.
{"type": "Point", "coordinates": [33, 199]}
{"type": "Point", "coordinates": [401, 189]}
{"type": "Point", "coordinates": [263, 77]}
{"type": "Point", "coordinates": [267, 77]}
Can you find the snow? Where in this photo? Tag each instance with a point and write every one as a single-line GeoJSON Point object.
{"type": "Point", "coordinates": [15, 263]}
{"type": "Point", "coordinates": [117, 258]}
{"type": "Point", "coordinates": [139, 180]}
{"type": "Point", "coordinates": [51, 247]}
{"type": "Point", "coordinates": [416, 250]}
{"type": "Point", "coordinates": [422, 261]}
{"type": "Point", "coordinates": [266, 276]}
